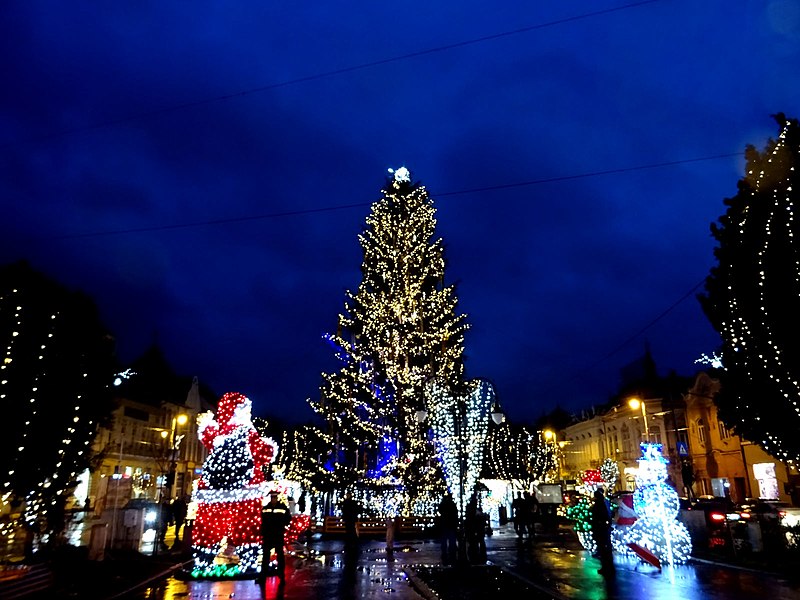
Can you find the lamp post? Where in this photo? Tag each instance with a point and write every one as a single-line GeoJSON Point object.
{"type": "Point", "coordinates": [551, 437]}
{"type": "Point", "coordinates": [174, 445]}
{"type": "Point", "coordinates": [635, 404]}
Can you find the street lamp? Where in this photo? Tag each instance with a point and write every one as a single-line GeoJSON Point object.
{"type": "Point", "coordinates": [551, 436]}
{"type": "Point", "coordinates": [174, 445]}
{"type": "Point", "coordinates": [635, 404]}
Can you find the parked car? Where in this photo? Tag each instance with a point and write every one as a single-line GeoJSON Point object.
{"type": "Point", "coordinates": [770, 511]}
{"type": "Point", "coordinates": [725, 523]}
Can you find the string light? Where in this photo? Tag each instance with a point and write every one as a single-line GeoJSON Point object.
{"type": "Point", "coordinates": [751, 297]}
{"type": "Point", "coordinates": [656, 504]}
{"type": "Point", "coordinates": [226, 539]}
{"type": "Point", "coordinates": [399, 329]}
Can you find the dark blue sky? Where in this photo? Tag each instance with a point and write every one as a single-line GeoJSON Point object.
{"type": "Point", "coordinates": [203, 170]}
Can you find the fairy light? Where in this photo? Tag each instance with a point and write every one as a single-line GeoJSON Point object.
{"type": "Point", "coordinates": [460, 425]}
{"type": "Point", "coordinates": [399, 328]}
{"type": "Point", "coordinates": [231, 490]}
{"type": "Point", "coordinates": [750, 293]}
{"type": "Point", "coordinates": [656, 504]}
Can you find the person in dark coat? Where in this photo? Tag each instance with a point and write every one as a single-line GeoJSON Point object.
{"type": "Point", "coordinates": [350, 513]}
{"type": "Point", "coordinates": [179, 516]}
{"type": "Point", "coordinates": [475, 530]}
{"type": "Point", "coordinates": [600, 519]}
{"type": "Point", "coordinates": [448, 523]}
{"type": "Point", "coordinates": [531, 514]}
{"type": "Point", "coordinates": [275, 518]}
{"type": "Point", "coordinates": [517, 515]}
{"type": "Point", "coordinates": [164, 520]}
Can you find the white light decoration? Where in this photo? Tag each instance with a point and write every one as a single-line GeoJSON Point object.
{"type": "Point", "coordinates": [399, 329]}
{"type": "Point", "coordinates": [656, 504]}
{"type": "Point", "coordinates": [460, 425]}
{"type": "Point", "coordinates": [752, 296]}
{"type": "Point", "coordinates": [401, 175]}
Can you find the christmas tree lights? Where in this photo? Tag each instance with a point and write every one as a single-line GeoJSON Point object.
{"type": "Point", "coordinates": [399, 329]}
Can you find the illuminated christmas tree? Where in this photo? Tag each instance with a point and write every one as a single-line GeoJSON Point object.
{"type": "Point", "coordinates": [399, 329]}
{"type": "Point", "coordinates": [753, 297]}
{"type": "Point", "coordinates": [656, 504]}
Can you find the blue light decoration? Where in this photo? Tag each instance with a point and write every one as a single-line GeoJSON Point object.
{"type": "Point", "coordinates": [656, 504]}
{"type": "Point", "coordinates": [460, 425]}
{"type": "Point", "coordinates": [386, 456]}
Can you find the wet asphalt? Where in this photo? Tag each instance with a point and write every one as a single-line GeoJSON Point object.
{"type": "Point", "coordinates": [553, 566]}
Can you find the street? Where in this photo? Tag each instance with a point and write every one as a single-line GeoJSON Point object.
{"type": "Point", "coordinates": [553, 567]}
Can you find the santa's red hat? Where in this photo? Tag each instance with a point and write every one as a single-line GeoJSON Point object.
{"type": "Point", "coordinates": [228, 404]}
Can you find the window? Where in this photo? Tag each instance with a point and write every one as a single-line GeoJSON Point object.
{"type": "Point", "coordinates": [701, 431]}
{"type": "Point", "coordinates": [655, 434]}
{"type": "Point", "coordinates": [724, 433]}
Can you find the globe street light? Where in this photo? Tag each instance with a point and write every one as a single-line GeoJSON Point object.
{"type": "Point", "coordinates": [635, 404]}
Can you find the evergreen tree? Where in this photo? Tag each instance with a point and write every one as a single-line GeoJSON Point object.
{"type": "Point", "coordinates": [54, 386]}
{"type": "Point", "coordinates": [752, 297]}
{"type": "Point", "coordinates": [399, 329]}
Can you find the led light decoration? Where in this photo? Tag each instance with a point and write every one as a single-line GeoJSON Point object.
{"type": "Point", "coordinates": [54, 377]}
{"type": "Point", "coordinates": [398, 329]}
{"type": "Point", "coordinates": [581, 513]}
{"type": "Point", "coordinates": [752, 298]}
{"type": "Point", "coordinates": [656, 504]}
{"type": "Point", "coordinates": [519, 455]}
{"type": "Point", "coordinates": [226, 538]}
{"type": "Point", "coordinates": [609, 472]}
{"type": "Point", "coordinates": [460, 424]}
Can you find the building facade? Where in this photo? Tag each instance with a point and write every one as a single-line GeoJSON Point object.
{"type": "Point", "coordinates": [706, 458]}
{"type": "Point", "coordinates": [148, 450]}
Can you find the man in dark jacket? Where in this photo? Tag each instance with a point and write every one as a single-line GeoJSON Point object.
{"type": "Point", "coordinates": [274, 519]}
{"type": "Point", "coordinates": [448, 522]}
{"type": "Point", "coordinates": [350, 513]}
{"type": "Point", "coordinates": [600, 519]}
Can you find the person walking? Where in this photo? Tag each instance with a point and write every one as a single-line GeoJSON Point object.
{"type": "Point", "coordinates": [517, 510]}
{"type": "Point", "coordinates": [600, 519]}
{"type": "Point", "coordinates": [274, 519]}
{"type": "Point", "coordinates": [448, 523]}
{"type": "Point", "coordinates": [531, 514]}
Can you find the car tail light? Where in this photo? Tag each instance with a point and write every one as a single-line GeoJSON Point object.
{"type": "Point", "coordinates": [715, 516]}
{"type": "Point", "coordinates": [744, 515]}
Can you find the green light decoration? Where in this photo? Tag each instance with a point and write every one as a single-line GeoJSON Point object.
{"type": "Point", "coordinates": [580, 513]}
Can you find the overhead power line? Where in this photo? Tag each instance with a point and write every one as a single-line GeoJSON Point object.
{"type": "Point", "coordinates": [322, 75]}
{"type": "Point", "coordinates": [308, 211]}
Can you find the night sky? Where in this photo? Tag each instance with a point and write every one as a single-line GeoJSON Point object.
{"type": "Point", "coordinates": [202, 171]}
